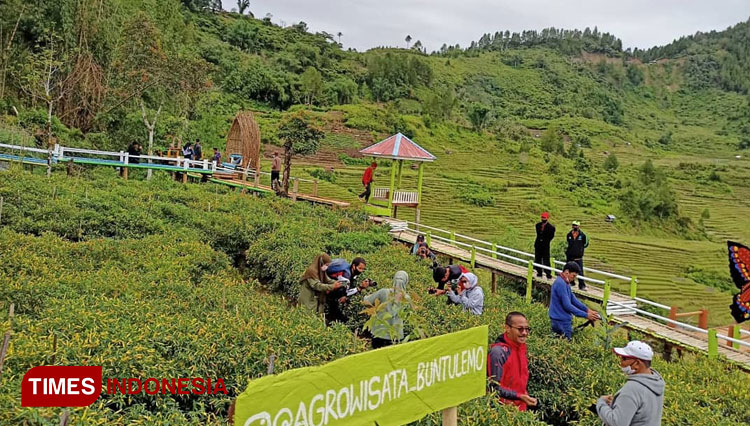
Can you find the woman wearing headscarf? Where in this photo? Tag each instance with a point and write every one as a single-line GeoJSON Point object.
{"type": "Point", "coordinates": [315, 283]}
{"type": "Point", "coordinates": [388, 326]}
{"type": "Point", "coordinates": [469, 294]}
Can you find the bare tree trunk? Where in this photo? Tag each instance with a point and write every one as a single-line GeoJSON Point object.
{"type": "Point", "coordinates": [151, 127]}
{"type": "Point", "coordinates": [4, 58]}
{"type": "Point", "coordinates": [287, 168]}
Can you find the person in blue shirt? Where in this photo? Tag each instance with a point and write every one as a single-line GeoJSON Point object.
{"type": "Point", "coordinates": [563, 304]}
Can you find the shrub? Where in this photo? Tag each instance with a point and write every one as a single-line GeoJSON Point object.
{"type": "Point", "coordinates": [611, 164]}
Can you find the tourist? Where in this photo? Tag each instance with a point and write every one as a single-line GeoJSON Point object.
{"type": "Point", "coordinates": [563, 304]}
{"type": "Point", "coordinates": [444, 274]}
{"type": "Point", "coordinates": [348, 275]}
{"type": "Point", "coordinates": [577, 243]}
{"type": "Point", "coordinates": [315, 283]}
{"type": "Point", "coordinates": [367, 179]}
{"type": "Point", "coordinates": [187, 151]}
{"type": "Point", "coordinates": [197, 150]}
{"type": "Point", "coordinates": [641, 400]}
{"type": "Point", "coordinates": [275, 171]}
{"type": "Point", "coordinates": [389, 325]}
{"type": "Point", "coordinates": [134, 153]}
{"type": "Point", "coordinates": [545, 232]}
{"type": "Point", "coordinates": [468, 294]}
{"type": "Point", "coordinates": [217, 157]}
{"type": "Point", "coordinates": [507, 364]}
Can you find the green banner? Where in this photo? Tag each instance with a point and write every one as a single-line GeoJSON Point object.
{"type": "Point", "coordinates": [390, 386]}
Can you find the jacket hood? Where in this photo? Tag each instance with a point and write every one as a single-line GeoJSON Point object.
{"type": "Point", "coordinates": [400, 281]}
{"type": "Point", "coordinates": [652, 382]}
{"type": "Point", "coordinates": [472, 280]}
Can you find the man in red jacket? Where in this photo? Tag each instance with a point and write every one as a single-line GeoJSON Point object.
{"type": "Point", "coordinates": [507, 365]}
{"type": "Point", "coordinates": [367, 180]}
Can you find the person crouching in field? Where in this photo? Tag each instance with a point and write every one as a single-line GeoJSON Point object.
{"type": "Point", "coordinates": [388, 324]}
{"type": "Point", "coordinates": [315, 283]}
{"type": "Point", "coordinates": [468, 294]}
{"type": "Point", "coordinates": [507, 364]}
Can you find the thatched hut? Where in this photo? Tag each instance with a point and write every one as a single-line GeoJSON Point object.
{"type": "Point", "coordinates": [244, 140]}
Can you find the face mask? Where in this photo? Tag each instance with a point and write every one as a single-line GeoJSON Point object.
{"type": "Point", "coordinates": [627, 370]}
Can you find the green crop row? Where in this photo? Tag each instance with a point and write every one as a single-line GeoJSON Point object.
{"type": "Point", "coordinates": [195, 281]}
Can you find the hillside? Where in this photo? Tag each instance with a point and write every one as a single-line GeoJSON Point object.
{"type": "Point", "coordinates": [521, 123]}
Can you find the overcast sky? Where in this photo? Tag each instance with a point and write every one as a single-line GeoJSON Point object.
{"type": "Point", "coordinates": [371, 23]}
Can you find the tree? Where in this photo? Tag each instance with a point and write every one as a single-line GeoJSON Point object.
{"type": "Point", "coordinates": [552, 141]}
{"type": "Point", "coordinates": [300, 137]}
{"type": "Point", "coordinates": [45, 75]}
{"type": "Point", "coordinates": [154, 77]}
{"type": "Point", "coordinates": [479, 116]}
{"type": "Point", "coordinates": [611, 164]}
{"type": "Point", "coordinates": [312, 84]}
{"type": "Point", "coordinates": [408, 40]}
{"type": "Point", "coordinates": [339, 34]}
{"type": "Point", "coordinates": [242, 6]}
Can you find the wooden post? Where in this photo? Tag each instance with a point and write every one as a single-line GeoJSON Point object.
{"type": "Point", "coordinates": [420, 174]}
{"type": "Point", "coordinates": [672, 316]}
{"type": "Point", "coordinates": [295, 190]}
{"type": "Point", "coordinates": [392, 186]}
{"type": "Point", "coordinates": [1, 210]}
{"type": "Point", "coordinates": [703, 319]}
{"type": "Point", "coordinates": [473, 256]}
{"type": "Point", "coordinates": [736, 334]}
{"type": "Point", "coordinates": [453, 238]}
{"type": "Point", "coordinates": [450, 416]}
{"type": "Point", "coordinates": [494, 251]}
{"type": "Point", "coordinates": [398, 176]}
{"type": "Point", "coordinates": [427, 238]}
{"type": "Point", "coordinates": [416, 216]}
{"type": "Point", "coordinates": [65, 418]}
{"type": "Point", "coordinates": [529, 281]}
{"type": "Point", "coordinates": [257, 179]}
{"type": "Point", "coordinates": [633, 287]}
{"type": "Point", "coordinates": [605, 298]}
{"type": "Point", "coordinates": [494, 282]}
{"type": "Point", "coordinates": [552, 265]}
{"type": "Point", "coordinates": [713, 344]}
{"type": "Point", "coordinates": [315, 189]}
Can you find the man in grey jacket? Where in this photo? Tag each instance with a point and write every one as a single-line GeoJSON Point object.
{"type": "Point", "coordinates": [641, 400]}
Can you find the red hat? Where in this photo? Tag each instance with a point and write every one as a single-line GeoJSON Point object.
{"type": "Point", "coordinates": [545, 215]}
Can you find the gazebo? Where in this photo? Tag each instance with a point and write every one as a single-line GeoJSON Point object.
{"type": "Point", "coordinates": [397, 148]}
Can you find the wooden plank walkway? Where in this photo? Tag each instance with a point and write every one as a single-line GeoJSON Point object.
{"type": "Point", "coordinates": [301, 196]}
{"type": "Point", "coordinates": [677, 337]}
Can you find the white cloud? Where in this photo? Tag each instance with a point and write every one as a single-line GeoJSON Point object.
{"type": "Point", "coordinates": [370, 23]}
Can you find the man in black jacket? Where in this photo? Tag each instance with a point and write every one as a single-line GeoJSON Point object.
{"type": "Point", "coordinates": [577, 243]}
{"type": "Point", "coordinates": [545, 232]}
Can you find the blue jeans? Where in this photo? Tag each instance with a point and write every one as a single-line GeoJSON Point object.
{"type": "Point", "coordinates": [562, 328]}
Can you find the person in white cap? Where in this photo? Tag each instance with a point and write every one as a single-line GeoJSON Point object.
{"type": "Point", "coordinates": [641, 400]}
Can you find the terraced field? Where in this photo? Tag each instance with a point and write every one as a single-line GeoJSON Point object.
{"type": "Point", "coordinates": [661, 262]}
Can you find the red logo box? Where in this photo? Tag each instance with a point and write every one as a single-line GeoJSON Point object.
{"type": "Point", "coordinates": [61, 386]}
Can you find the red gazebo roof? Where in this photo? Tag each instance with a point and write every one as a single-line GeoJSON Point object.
{"type": "Point", "coordinates": [398, 147]}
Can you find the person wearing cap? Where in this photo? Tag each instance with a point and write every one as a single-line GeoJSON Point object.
{"type": "Point", "coordinates": [441, 275]}
{"type": "Point", "coordinates": [563, 304]}
{"type": "Point", "coordinates": [640, 401]}
{"type": "Point", "coordinates": [545, 232]}
{"type": "Point", "coordinates": [508, 365]}
{"type": "Point", "coordinates": [577, 243]}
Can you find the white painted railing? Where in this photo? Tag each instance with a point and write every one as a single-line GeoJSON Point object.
{"type": "Point", "coordinates": [405, 197]}
{"type": "Point", "coordinates": [380, 193]}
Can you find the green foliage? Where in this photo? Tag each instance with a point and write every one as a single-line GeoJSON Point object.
{"type": "Point", "coordinates": [299, 135]}
{"type": "Point", "coordinates": [312, 85]}
{"type": "Point", "coordinates": [552, 141]}
{"type": "Point", "coordinates": [479, 116]}
{"type": "Point", "coordinates": [650, 197]}
{"type": "Point", "coordinates": [391, 76]}
{"type": "Point", "coordinates": [322, 174]}
{"type": "Point", "coordinates": [611, 163]}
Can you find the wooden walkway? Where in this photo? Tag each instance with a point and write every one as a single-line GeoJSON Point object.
{"type": "Point", "coordinates": [677, 337]}
{"type": "Point", "coordinates": [238, 183]}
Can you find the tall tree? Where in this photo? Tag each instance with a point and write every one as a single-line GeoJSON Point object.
{"type": "Point", "coordinates": [408, 40]}
{"type": "Point", "coordinates": [45, 75]}
{"type": "Point", "coordinates": [339, 34]}
{"type": "Point", "coordinates": [242, 6]}
{"type": "Point", "coordinates": [312, 84]}
{"type": "Point", "coordinates": [300, 137]}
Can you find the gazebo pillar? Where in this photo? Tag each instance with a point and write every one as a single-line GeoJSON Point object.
{"type": "Point", "coordinates": [392, 186]}
{"type": "Point", "coordinates": [420, 173]}
{"type": "Point", "coordinates": [398, 176]}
